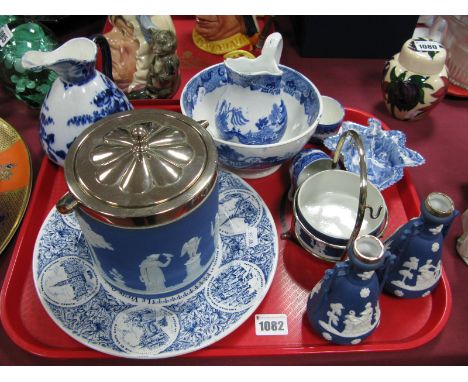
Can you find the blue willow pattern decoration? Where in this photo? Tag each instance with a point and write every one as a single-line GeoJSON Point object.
{"type": "Point", "coordinates": [95, 314]}
{"type": "Point", "coordinates": [229, 119]}
{"type": "Point", "coordinates": [108, 101]}
{"type": "Point", "coordinates": [385, 151]}
{"type": "Point", "coordinates": [292, 83]}
{"type": "Point", "coordinates": [230, 156]}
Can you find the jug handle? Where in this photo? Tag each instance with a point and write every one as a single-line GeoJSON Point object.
{"type": "Point", "coordinates": [106, 55]}
{"type": "Point", "coordinates": [362, 185]}
{"type": "Point", "coordinates": [389, 260]}
{"type": "Point", "coordinates": [273, 47]}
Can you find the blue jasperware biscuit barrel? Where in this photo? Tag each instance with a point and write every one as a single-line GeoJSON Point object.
{"type": "Point", "coordinates": [143, 187]}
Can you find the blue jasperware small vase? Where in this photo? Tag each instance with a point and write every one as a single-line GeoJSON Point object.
{"type": "Point", "coordinates": [344, 307]}
{"type": "Point", "coordinates": [418, 248]}
{"type": "Point", "coordinates": [79, 97]}
{"type": "Point", "coordinates": [251, 110]}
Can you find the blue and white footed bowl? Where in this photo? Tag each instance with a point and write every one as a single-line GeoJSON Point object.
{"type": "Point", "coordinates": [303, 103]}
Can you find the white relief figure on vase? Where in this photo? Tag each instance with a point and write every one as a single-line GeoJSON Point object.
{"type": "Point", "coordinates": [151, 273]}
{"type": "Point", "coordinates": [333, 315]}
{"type": "Point", "coordinates": [407, 273]}
{"type": "Point", "coordinates": [193, 265]}
{"type": "Point", "coordinates": [355, 325]}
{"type": "Point", "coordinates": [428, 275]}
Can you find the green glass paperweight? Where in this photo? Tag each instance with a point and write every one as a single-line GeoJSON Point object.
{"type": "Point", "coordinates": [26, 85]}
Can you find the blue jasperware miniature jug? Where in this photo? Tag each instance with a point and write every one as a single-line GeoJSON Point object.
{"type": "Point", "coordinates": [251, 110]}
{"type": "Point", "coordinates": [344, 307]}
{"type": "Point", "coordinates": [418, 248]}
{"type": "Point", "coordinates": [80, 96]}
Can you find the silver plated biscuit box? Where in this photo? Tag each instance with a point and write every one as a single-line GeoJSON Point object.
{"type": "Point", "coordinates": [143, 185]}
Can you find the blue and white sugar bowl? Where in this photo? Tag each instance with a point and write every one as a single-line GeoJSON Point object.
{"type": "Point", "coordinates": [305, 164]}
{"type": "Point", "coordinates": [143, 186]}
{"type": "Point", "coordinates": [330, 121]}
{"type": "Point", "coordinates": [251, 109]}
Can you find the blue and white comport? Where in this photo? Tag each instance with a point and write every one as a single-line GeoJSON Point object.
{"type": "Point", "coordinates": [298, 96]}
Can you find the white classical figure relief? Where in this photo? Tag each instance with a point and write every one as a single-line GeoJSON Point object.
{"type": "Point", "coordinates": [435, 247]}
{"type": "Point", "coordinates": [94, 239]}
{"type": "Point", "coordinates": [151, 273]}
{"type": "Point", "coordinates": [426, 275]}
{"type": "Point", "coordinates": [190, 250]}
{"type": "Point", "coordinates": [356, 324]}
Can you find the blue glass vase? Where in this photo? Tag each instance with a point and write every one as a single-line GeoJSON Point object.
{"type": "Point", "coordinates": [418, 248]}
{"type": "Point", "coordinates": [344, 307]}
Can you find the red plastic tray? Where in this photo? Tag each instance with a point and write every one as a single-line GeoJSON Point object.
{"type": "Point", "coordinates": [30, 327]}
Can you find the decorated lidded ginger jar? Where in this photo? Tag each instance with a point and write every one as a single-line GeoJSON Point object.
{"type": "Point", "coordinates": [143, 186]}
{"type": "Point", "coordinates": [415, 80]}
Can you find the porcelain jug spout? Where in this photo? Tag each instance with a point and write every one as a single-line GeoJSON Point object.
{"type": "Point", "coordinates": [74, 61]}
{"type": "Point", "coordinates": [265, 64]}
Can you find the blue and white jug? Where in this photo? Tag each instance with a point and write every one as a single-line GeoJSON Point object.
{"type": "Point", "coordinates": [418, 248]}
{"type": "Point", "coordinates": [344, 307]}
{"type": "Point", "coordinates": [80, 96]}
{"type": "Point", "coordinates": [251, 109]}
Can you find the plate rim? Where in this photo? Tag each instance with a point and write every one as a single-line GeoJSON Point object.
{"type": "Point", "coordinates": [215, 266]}
{"type": "Point", "coordinates": [21, 212]}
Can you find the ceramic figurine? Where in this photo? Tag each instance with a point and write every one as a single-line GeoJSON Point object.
{"type": "Point", "coordinates": [415, 80]}
{"type": "Point", "coordinates": [26, 85]}
{"type": "Point", "coordinates": [132, 51]}
{"type": "Point", "coordinates": [462, 241]}
{"type": "Point", "coordinates": [224, 34]}
{"type": "Point", "coordinates": [163, 79]}
{"type": "Point", "coordinates": [79, 97]}
{"type": "Point", "coordinates": [259, 116]}
{"type": "Point", "coordinates": [418, 247]}
{"type": "Point", "coordinates": [124, 46]}
{"type": "Point", "coordinates": [344, 307]}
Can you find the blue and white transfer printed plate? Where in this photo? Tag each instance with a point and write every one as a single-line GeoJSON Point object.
{"type": "Point", "coordinates": [93, 313]}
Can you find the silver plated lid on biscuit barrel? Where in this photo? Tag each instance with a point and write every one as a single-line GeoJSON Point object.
{"type": "Point", "coordinates": [140, 168]}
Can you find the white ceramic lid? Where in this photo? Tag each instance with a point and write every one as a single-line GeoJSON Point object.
{"type": "Point", "coordinates": [423, 56]}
